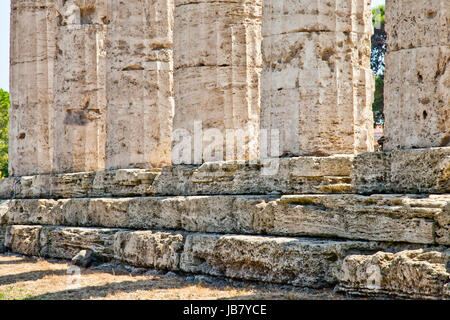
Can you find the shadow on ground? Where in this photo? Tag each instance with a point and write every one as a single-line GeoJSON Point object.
{"type": "Point", "coordinates": [109, 289]}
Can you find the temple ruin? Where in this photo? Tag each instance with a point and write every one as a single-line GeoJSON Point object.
{"type": "Point", "coordinates": [233, 138]}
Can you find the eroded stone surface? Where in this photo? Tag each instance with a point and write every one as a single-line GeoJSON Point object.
{"type": "Point", "coordinates": [2, 235]}
{"type": "Point", "coordinates": [59, 242]}
{"type": "Point", "coordinates": [412, 24]}
{"type": "Point", "coordinates": [23, 239]}
{"type": "Point", "coordinates": [139, 84]}
{"type": "Point", "coordinates": [287, 16]}
{"type": "Point", "coordinates": [417, 98]}
{"type": "Point", "coordinates": [403, 171]}
{"type": "Point", "coordinates": [301, 262]}
{"type": "Point", "coordinates": [65, 243]}
{"type": "Point", "coordinates": [298, 261]}
{"type": "Point", "coordinates": [31, 68]}
{"type": "Point", "coordinates": [410, 274]}
{"type": "Point", "coordinates": [159, 250]}
{"type": "Point", "coordinates": [70, 59]}
{"type": "Point", "coordinates": [217, 61]}
{"type": "Point", "coordinates": [391, 218]}
{"type": "Point", "coordinates": [317, 89]}
{"type": "Point", "coordinates": [289, 176]}
{"type": "Point", "coordinates": [79, 98]}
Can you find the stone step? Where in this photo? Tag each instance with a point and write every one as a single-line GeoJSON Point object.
{"type": "Point", "coordinates": [390, 218]}
{"type": "Point", "coordinates": [403, 171]}
{"type": "Point", "coordinates": [285, 260]}
{"type": "Point", "coordinates": [411, 274]}
{"type": "Point", "coordinates": [280, 176]}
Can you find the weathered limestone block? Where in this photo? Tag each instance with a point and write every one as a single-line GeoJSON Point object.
{"type": "Point", "coordinates": [288, 16]}
{"type": "Point", "coordinates": [80, 100]}
{"type": "Point", "coordinates": [33, 29]}
{"type": "Point", "coordinates": [159, 250]}
{"type": "Point", "coordinates": [403, 171]}
{"type": "Point", "coordinates": [300, 262]}
{"type": "Point", "coordinates": [217, 61]}
{"type": "Point", "coordinates": [410, 274]}
{"type": "Point", "coordinates": [382, 218]}
{"type": "Point", "coordinates": [83, 11]}
{"type": "Point", "coordinates": [2, 235]}
{"type": "Point", "coordinates": [139, 84]}
{"type": "Point", "coordinates": [277, 176]}
{"type": "Point", "coordinates": [443, 226]}
{"type": "Point", "coordinates": [23, 239]}
{"type": "Point", "coordinates": [317, 91]}
{"type": "Point", "coordinates": [413, 24]}
{"type": "Point", "coordinates": [65, 243]}
{"type": "Point", "coordinates": [390, 218]}
{"type": "Point", "coordinates": [417, 96]}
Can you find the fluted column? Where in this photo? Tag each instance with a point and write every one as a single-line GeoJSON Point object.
{"type": "Point", "coordinates": [33, 27]}
{"type": "Point", "coordinates": [139, 83]}
{"type": "Point", "coordinates": [79, 86]}
{"type": "Point", "coordinates": [217, 68]}
{"type": "Point", "coordinates": [317, 86]}
{"type": "Point", "coordinates": [417, 78]}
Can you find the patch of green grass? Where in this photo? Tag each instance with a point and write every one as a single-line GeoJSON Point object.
{"type": "Point", "coordinates": [15, 294]}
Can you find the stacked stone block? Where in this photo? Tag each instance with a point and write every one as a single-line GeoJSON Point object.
{"type": "Point", "coordinates": [317, 86]}
{"type": "Point", "coordinates": [293, 221]}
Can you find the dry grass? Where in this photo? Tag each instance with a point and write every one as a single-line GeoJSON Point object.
{"type": "Point", "coordinates": [26, 278]}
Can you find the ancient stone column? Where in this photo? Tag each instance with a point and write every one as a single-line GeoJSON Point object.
{"type": "Point", "coordinates": [33, 27]}
{"type": "Point", "coordinates": [139, 83]}
{"type": "Point", "coordinates": [217, 68]}
{"type": "Point", "coordinates": [316, 85]}
{"type": "Point", "coordinates": [417, 78]}
{"type": "Point", "coordinates": [79, 87]}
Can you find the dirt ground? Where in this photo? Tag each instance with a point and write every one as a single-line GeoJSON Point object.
{"type": "Point", "coordinates": [30, 278]}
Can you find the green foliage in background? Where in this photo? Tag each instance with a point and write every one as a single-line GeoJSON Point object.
{"type": "Point", "coordinates": [377, 62]}
{"type": "Point", "coordinates": [4, 123]}
{"type": "Point", "coordinates": [378, 103]}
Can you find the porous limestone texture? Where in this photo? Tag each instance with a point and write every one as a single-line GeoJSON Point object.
{"type": "Point", "coordinates": [410, 274]}
{"type": "Point", "coordinates": [289, 16]}
{"type": "Point", "coordinates": [2, 235]}
{"type": "Point", "coordinates": [288, 176]}
{"type": "Point", "coordinates": [23, 239]}
{"type": "Point", "coordinates": [296, 261]}
{"type": "Point", "coordinates": [158, 250]}
{"type": "Point", "coordinates": [390, 218]}
{"type": "Point", "coordinates": [217, 62]}
{"type": "Point", "coordinates": [302, 262]}
{"type": "Point", "coordinates": [95, 78]}
{"type": "Point", "coordinates": [403, 171]}
{"type": "Point", "coordinates": [316, 84]}
{"type": "Point", "coordinates": [80, 100]}
{"type": "Point", "coordinates": [59, 242]}
{"type": "Point", "coordinates": [33, 29]}
{"type": "Point", "coordinates": [413, 24]}
{"type": "Point", "coordinates": [139, 84]}
{"type": "Point", "coordinates": [417, 98]}
{"type": "Point", "coordinates": [65, 243]}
